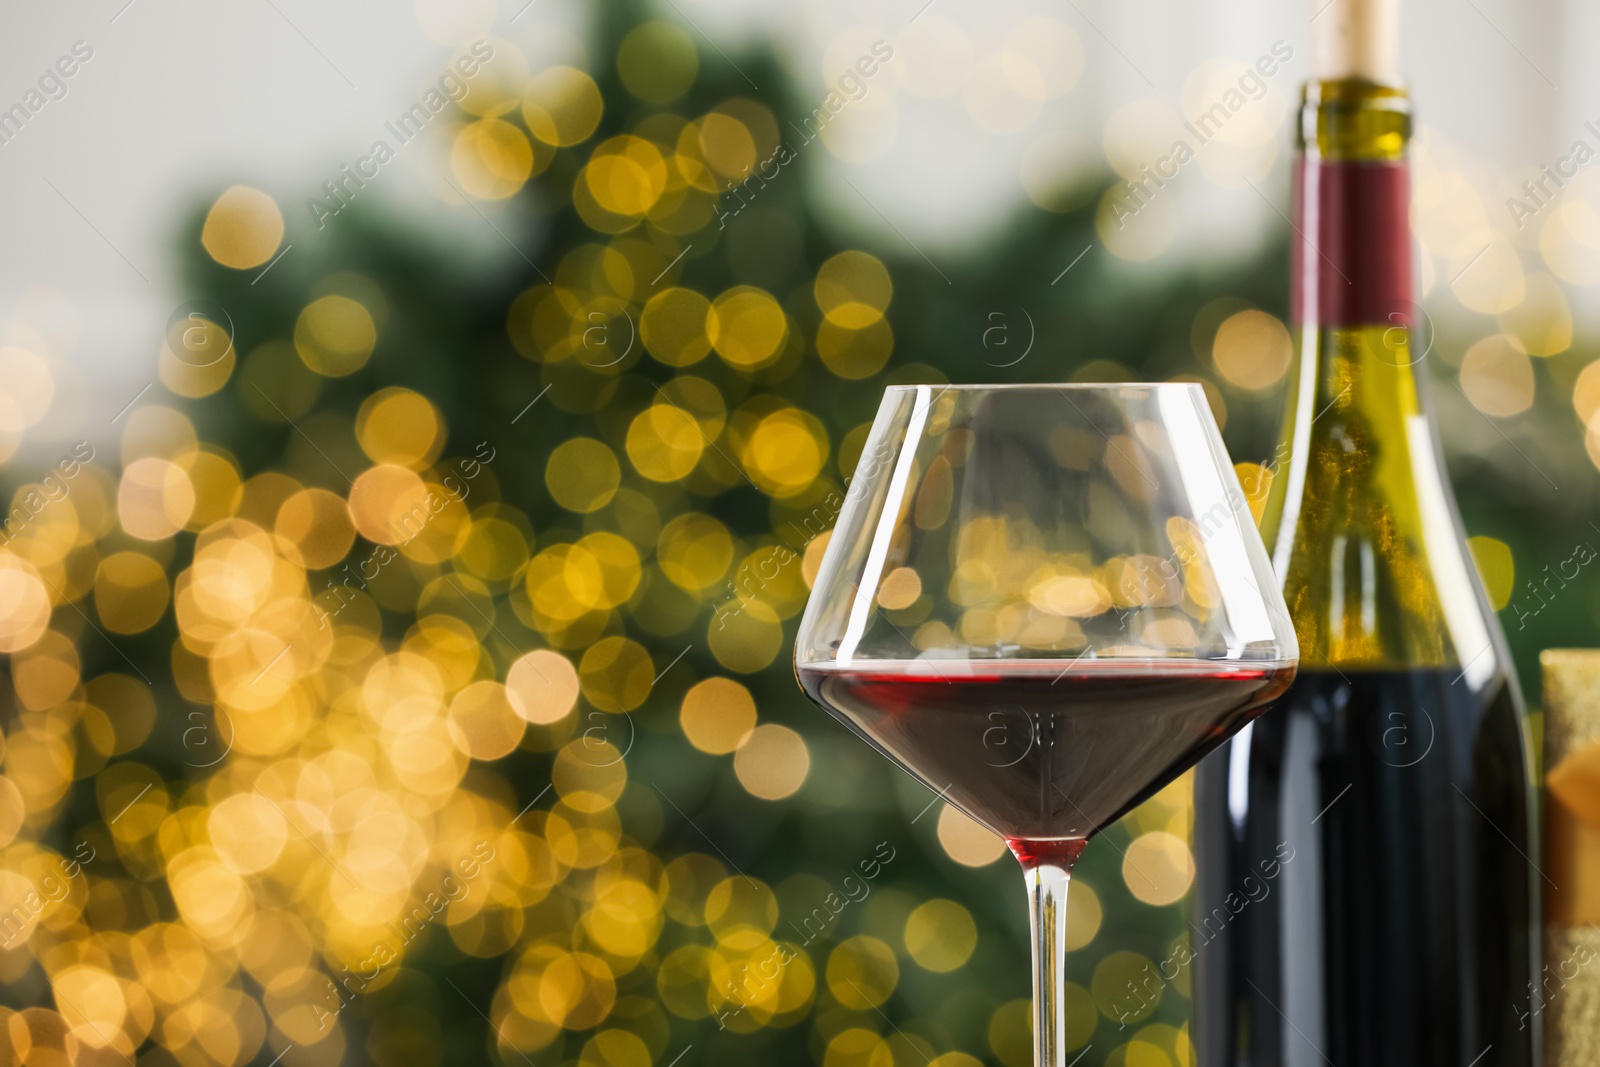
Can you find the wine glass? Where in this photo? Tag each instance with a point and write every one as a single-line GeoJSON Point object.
{"type": "Point", "coordinates": [1045, 602]}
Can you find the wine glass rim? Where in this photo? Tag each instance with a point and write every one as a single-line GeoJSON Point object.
{"type": "Point", "coordinates": [1153, 663]}
{"type": "Point", "coordinates": [1043, 386]}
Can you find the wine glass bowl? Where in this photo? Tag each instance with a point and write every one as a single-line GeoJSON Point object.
{"type": "Point", "coordinates": [1045, 602]}
{"type": "Point", "coordinates": [1047, 522]}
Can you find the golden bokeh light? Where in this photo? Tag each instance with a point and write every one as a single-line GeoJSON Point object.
{"type": "Point", "coordinates": [130, 592]}
{"type": "Point", "coordinates": [1496, 566]}
{"type": "Point", "coordinates": [248, 832]}
{"type": "Point", "coordinates": [626, 176]}
{"type": "Point", "coordinates": [747, 327]}
{"type": "Point", "coordinates": [1586, 392]}
{"type": "Point", "coordinates": [542, 686]}
{"type": "Point", "coordinates": [854, 354]}
{"type": "Point", "coordinates": [616, 674]}
{"type": "Point", "coordinates": [1569, 240]}
{"type": "Point", "coordinates": [335, 336]}
{"type": "Point", "coordinates": [589, 773]}
{"type": "Point", "coordinates": [45, 675]}
{"type": "Point", "coordinates": [1114, 977]}
{"type": "Point", "coordinates": [1084, 914]}
{"type": "Point", "coordinates": [673, 327]}
{"type": "Point", "coordinates": [745, 636]}
{"type": "Point", "coordinates": [657, 62]}
{"type": "Point", "coordinates": [243, 228]}
{"type": "Point", "coordinates": [862, 972]}
{"type": "Point", "coordinates": [966, 841]}
{"type": "Point", "coordinates": [25, 604]}
{"type": "Point", "coordinates": [664, 442]}
{"type": "Point", "coordinates": [399, 426]}
{"type": "Point", "coordinates": [955, 1059]}
{"type": "Point", "coordinates": [1140, 230]}
{"type": "Point", "coordinates": [154, 499]}
{"type": "Point", "coordinates": [212, 898]}
{"type": "Point", "coordinates": [940, 936]}
{"type": "Point", "coordinates": [198, 357]}
{"type": "Point", "coordinates": [495, 71]}
{"type": "Point", "coordinates": [315, 528]}
{"type": "Point", "coordinates": [615, 1048]}
{"type": "Point", "coordinates": [27, 388]}
{"type": "Point", "coordinates": [1256, 481]}
{"type": "Point", "coordinates": [899, 589]}
{"type": "Point", "coordinates": [785, 451]}
{"type": "Point", "coordinates": [1591, 440]}
{"type": "Point", "coordinates": [727, 145]}
{"type": "Point", "coordinates": [562, 106]}
{"type": "Point", "coordinates": [857, 1047]}
{"type": "Point", "coordinates": [494, 548]}
{"type": "Point", "coordinates": [390, 505]}
{"type": "Point", "coordinates": [853, 290]}
{"type": "Point", "coordinates": [1497, 377]}
{"type": "Point", "coordinates": [483, 721]}
{"type": "Point", "coordinates": [1541, 325]}
{"type": "Point", "coordinates": [491, 159]}
{"type": "Point", "coordinates": [582, 474]}
{"type": "Point", "coordinates": [811, 561]}
{"type": "Point", "coordinates": [1158, 868]}
{"type": "Point", "coordinates": [13, 807]}
{"type": "Point", "coordinates": [1252, 350]}
{"type": "Point", "coordinates": [695, 551]}
{"type": "Point", "coordinates": [717, 715]}
{"type": "Point", "coordinates": [773, 762]}
{"type": "Point", "coordinates": [157, 431]}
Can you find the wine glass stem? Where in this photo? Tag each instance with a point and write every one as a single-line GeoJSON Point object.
{"type": "Point", "coordinates": [1047, 910]}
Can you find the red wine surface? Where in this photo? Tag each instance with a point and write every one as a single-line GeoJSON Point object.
{"type": "Point", "coordinates": [1045, 749]}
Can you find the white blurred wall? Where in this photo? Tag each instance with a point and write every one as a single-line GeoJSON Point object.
{"type": "Point", "coordinates": [183, 95]}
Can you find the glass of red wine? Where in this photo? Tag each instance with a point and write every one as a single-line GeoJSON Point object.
{"type": "Point", "coordinates": [1045, 602]}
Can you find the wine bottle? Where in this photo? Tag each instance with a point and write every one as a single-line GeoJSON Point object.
{"type": "Point", "coordinates": [1366, 849]}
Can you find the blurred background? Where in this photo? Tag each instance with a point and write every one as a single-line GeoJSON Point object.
{"type": "Point", "coordinates": [417, 422]}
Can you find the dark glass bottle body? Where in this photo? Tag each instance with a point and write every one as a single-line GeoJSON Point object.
{"type": "Point", "coordinates": [1394, 775]}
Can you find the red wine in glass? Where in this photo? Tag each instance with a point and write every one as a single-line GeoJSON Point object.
{"type": "Point", "coordinates": [1040, 751]}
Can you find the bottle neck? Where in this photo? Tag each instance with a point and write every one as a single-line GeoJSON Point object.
{"type": "Point", "coordinates": [1353, 119]}
{"type": "Point", "coordinates": [1359, 514]}
{"type": "Point", "coordinates": [1353, 378]}
{"type": "Point", "coordinates": [1351, 244]}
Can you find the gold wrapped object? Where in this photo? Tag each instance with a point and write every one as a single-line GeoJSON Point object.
{"type": "Point", "coordinates": [1570, 993]}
